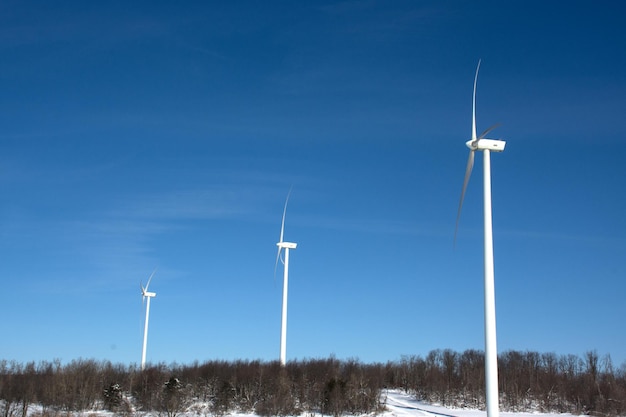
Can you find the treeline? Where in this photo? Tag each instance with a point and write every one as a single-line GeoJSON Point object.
{"type": "Point", "coordinates": [212, 388]}
{"type": "Point", "coordinates": [528, 381]}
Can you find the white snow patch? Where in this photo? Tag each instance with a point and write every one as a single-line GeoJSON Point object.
{"type": "Point", "coordinates": [401, 404]}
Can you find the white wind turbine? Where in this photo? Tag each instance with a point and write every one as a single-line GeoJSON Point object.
{"type": "Point", "coordinates": [284, 245]}
{"type": "Point", "coordinates": [146, 295]}
{"type": "Point", "coordinates": [491, 353]}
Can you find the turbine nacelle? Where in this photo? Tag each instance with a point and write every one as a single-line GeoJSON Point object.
{"type": "Point", "coordinates": [495, 145]}
{"type": "Point", "coordinates": [149, 294]}
{"type": "Point", "coordinates": [286, 245]}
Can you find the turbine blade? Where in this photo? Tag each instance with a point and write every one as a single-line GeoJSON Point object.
{"type": "Point", "coordinates": [150, 279]}
{"type": "Point", "coordinates": [282, 231]}
{"type": "Point", "coordinates": [276, 264]}
{"type": "Point", "coordinates": [468, 173]}
{"type": "Point", "coordinates": [474, 103]}
{"type": "Point", "coordinates": [489, 129]}
{"type": "Point", "coordinates": [282, 226]}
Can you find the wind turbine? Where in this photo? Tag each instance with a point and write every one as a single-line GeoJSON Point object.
{"type": "Point", "coordinates": [491, 353]}
{"type": "Point", "coordinates": [146, 295]}
{"type": "Point", "coordinates": [286, 246]}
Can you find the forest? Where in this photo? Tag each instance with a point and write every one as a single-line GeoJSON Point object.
{"type": "Point", "coordinates": [528, 381]}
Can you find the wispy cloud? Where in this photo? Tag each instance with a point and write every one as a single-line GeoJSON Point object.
{"type": "Point", "coordinates": [210, 203]}
{"type": "Point", "coordinates": [26, 25]}
{"type": "Point", "coordinates": [582, 238]}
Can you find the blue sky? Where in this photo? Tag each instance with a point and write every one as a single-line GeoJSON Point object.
{"type": "Point", "coordinates": [166, 135]}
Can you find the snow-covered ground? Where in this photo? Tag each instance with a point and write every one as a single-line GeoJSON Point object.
{"type": "Point", "coordinates": [400, 404]}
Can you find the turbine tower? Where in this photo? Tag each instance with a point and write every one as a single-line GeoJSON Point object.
{"type": "Point", "coordinates": [146, 295]}
{"type": "Point", "coordinates": [286, 246]}
{"type": "Point", "coordinates": [491, 352]}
